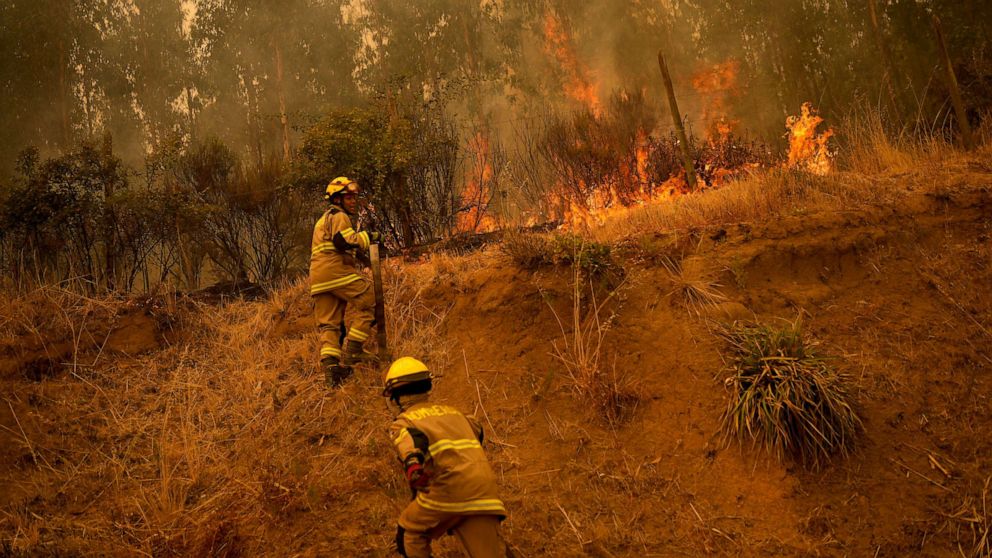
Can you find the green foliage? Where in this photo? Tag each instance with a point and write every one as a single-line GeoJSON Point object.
{"type": "Point", "coordinates": [785, 396]}
{"type": "Point", "coordinates": [78, 216]}
{"type": "Point", "coordinates": [403, 155]}
{"type": "Point", "coordinates": [55, 214]}
{"type": "Point", "coordinates": [249, 220]}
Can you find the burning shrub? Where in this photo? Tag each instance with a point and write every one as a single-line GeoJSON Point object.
{"type": "Point", "coordinates": [602, 154]}
{"type": "Point", "coordinates": [785, 397]}
{"type": "Point", "coordinates": [718, 162]}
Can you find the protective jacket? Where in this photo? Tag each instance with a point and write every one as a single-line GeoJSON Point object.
{"type": "Point", "coordinates": [332, 251]}
{"type": "Point", "coordinates": [449, 444]}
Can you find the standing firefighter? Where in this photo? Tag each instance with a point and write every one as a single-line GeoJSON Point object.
{"type": "Point", "coordinates": [340, 294]}
{"type": "Point", "coordinates": [441, 450]}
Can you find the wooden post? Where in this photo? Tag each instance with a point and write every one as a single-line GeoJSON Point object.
{"type": "Point", "coordinates": [952, 85]}
{"type": "Point", "coordinates": [690, 172]}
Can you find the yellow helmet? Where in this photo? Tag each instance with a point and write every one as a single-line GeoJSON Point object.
{"type": "Point", "coordinates": [341, 184]}
{"type": "Point", "coordinates": [405, 371]}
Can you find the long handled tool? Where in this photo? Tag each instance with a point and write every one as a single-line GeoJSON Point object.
{"type": "Point", "coordinates": [380, 306]}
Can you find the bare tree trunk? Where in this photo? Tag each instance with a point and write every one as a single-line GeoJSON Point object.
{"type": "Point", "coordinates": [87, 109]}
{"type": "Point", "coordinates": [190, 112]}
{"type": "Point", "coordinates": [690, 172]}
{"type": "Point", "coordinates": [254, 123]}
{"type": "Point", "coordinates": [109, 245]}
{"type": "Point", "coordinates": [280, 90]}
{"type": "Point", "coordinates": [889, 75]}
{"type": "Point", "coordinates": [63, 90]}
{"type": "Point", "coordinates": [952, 85]}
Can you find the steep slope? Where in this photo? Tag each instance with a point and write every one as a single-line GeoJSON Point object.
{"type": "Point", "coordinates": [223, 442]}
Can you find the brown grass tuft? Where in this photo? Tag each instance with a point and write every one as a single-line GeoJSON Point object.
{"type": "Point", "coordinates": [613, 393]}
{"type": "Point", "coordinates": [785, 397]}
{"type": "Point", "coordinates": [695, 289]}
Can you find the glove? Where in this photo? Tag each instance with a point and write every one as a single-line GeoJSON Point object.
{"type": "Point", "coordinates": [363, 258]}
{"type": "Point", "coordinates": [417, 476]}
{"type": "Point", "coordinates": [374, 237]}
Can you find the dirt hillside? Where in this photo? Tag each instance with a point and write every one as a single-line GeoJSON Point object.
{"type": "Point", "coordinates": [170, 426]}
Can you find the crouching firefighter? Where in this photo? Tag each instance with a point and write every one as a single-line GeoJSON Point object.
{"type": "Point", "coordinates": [340, 294]}
{"type": "Point", "coordinates": [454, 489]}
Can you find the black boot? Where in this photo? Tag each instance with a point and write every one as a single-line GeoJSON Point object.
{"type": "Point", "coordinates": [354, 354]}
{"type": "Point", "coordinates": [334, 372]}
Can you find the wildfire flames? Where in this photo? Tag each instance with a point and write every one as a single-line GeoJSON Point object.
{"type": "Point", "coordinates": [578, 83]}
{"type": "Point", "coordinates": [479, 190]}
{"type": "Point", "coordinates": [720, 159]}
{"type": "Point", "coordinates": [717, 84]}
{"type": "Point", "coordinates": [638, 178]}
{"type": "Point", "coordinates": [808, 149]}
{"type": "Point", "coordinates": [604, 202]}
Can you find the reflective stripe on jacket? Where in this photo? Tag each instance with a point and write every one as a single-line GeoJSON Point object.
{"type": "Point", "coordinates": [462, 481]}
{"type": "Point", "coordinates": [332, 262]}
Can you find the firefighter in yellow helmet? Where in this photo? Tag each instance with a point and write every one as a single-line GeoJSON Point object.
{"type": "Point", "coordinates": [454, 489]}
{"type": "Point", "coordinates": [341, 295]}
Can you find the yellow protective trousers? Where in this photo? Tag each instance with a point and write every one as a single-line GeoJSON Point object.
{"type": "Point", "coordinates": [478, 534]}
{"type": "Point", "coordinates": [353, 304]}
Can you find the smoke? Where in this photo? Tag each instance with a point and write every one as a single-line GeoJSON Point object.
{"type": "Point", "coordinates": [153, 72]}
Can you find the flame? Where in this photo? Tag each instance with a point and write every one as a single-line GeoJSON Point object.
{"type": "Point", "coordinates": [578, 85]}
{"type": "Point", "coordinates": [641, 157]}
{"type": "Point", "coordinates": [808, 150]}
{"type": "Point", "coordinates": [718, 83]}
{"type": "Point", "coordinates": [604, 202]}
{"type": "Point", "coordinates": [601, 205]}
{"type": "Point", "coordinates": [478, 191]}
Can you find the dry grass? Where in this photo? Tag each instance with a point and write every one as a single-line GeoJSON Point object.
{"type": "Point", "coordinates": [974, 517]}
{"type": "Point", "coordinates": [525, 249]}
{"type": "Point", "coordinates": [613, 393]}
{"type": "Point", "coordinates": [216, 445]}
{"type": "Point", "coordinates": [695, 289]}
{"type": "Point", "coordinates": [752, 198]}
{"type": "Point", "coordinates": [784, 396]}
{"type": "Point", "coordinates": [534, 250]}
{"type": "Point", "coordinates": [414, 328]}
{"type": "Point", "coordinates": [870, 147]}
{"type": "Point", "coordinates": [878, 170]}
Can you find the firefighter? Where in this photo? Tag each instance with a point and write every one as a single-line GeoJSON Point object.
{"type": "Point", "coordinates": [453, 487]}
{"type": "Point", "coordinates": [341, 295]}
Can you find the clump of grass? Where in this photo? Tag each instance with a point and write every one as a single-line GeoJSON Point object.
{"type": "Point", "coordinates": [695, 290]}
{"type": "Point", "coordinates": [526, 250]}
{"type": "Point", "coordinates": [613, 393]}
{"type": "Point", "coordinates": [785, 396]}
{"type": "Point", "coordinates": [532, 250]}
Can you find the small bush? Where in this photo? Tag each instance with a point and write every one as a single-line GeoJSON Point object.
{"type": "Point", "coordinates": [526, 250]}
{"type": "Point", "coordinates": [531, 251]}
{"type": "Point", "coordinates": [786, 397]}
